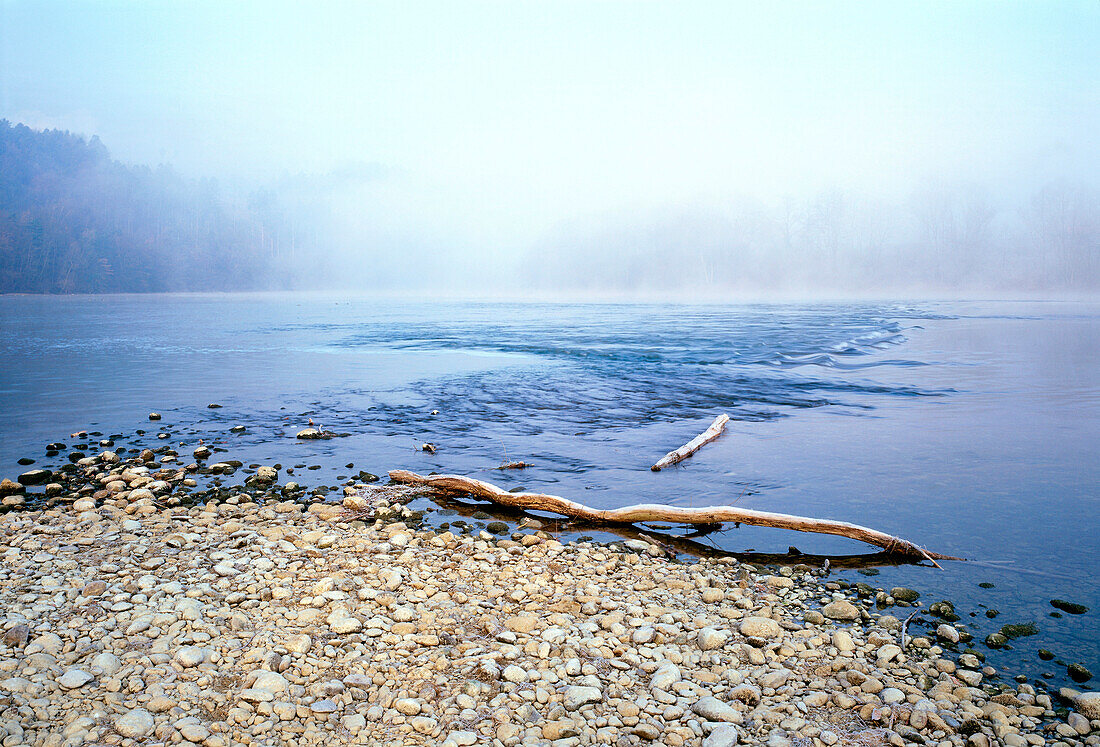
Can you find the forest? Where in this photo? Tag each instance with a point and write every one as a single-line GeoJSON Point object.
{"type": "Point", "coordinates": [72, 220]}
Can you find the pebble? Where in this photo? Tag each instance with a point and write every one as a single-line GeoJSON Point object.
{"type": "Point", "coordinates": [272, 682]}
{"type": "Point", "coordinates": [1078, 723]}
{"type": "Point", "coordinates": [106, 663]}
{"type": "Point", "coordinates": [892, 695]}
{"type": "Point", "coordinates": [775, 678]}
{"type": "Point", "coordinates": [16, 636]}
{"type": "Point", "coordinates": [713, 709]}
{"type": "Point", "coordinates": [194, 732]}
{"type": "Point", "coordinates": [560, 729]}
{"type": "Point", "coordinates": [135, 724]}
{"type": "Point", "coordinates": [578, 696]}
{"type": "Point", "coordinates": [760, 627]}
{"type": "Point", "coordinates": [947, 633]}
{"type": "Point", "coordinates": [840, 609]}
{"type": "Point", "coordinates": [512, 673]}
{"type": "Point", "coordinates": [521, 623]}
{"type": "Point", "coordinates": [354, 723]}
{"type": "Point", "coordinates": [423, 724]}
{"type": "Point", "coordinates": [842, 639]}
{"type": "Point", "coordinates": [324, 706]}
{"type": "Point", "coordinates": [723, 736]}
{"type": "Point", "coordinates": [299, 644]}
{"type": "Point", "coordinates": [667, 675]}
{"type": "Point", "coordinates": [710, 639]}
{"type": "Point", "coordinates": [191, 656]}
{"type": "Point", "coordinates": [1088, 704]}
{"type": "Point", "coordinates": [74, 678]}
{"type": "Point", "coordinates": [407, 706]}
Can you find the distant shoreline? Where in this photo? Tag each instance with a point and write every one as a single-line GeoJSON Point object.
{"type": "Point", "coordinates": [670, 298]}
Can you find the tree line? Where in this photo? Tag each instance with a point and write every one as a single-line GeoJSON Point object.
{"type": "Point", "coordinates": [946, 238]}
{"type": "Point", "coordinates": [73, 220]}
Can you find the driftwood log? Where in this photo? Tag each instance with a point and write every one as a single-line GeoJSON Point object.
{"type": "Point", "coordinates": [685, 544]}
{"type": "Point", "coordinates": [657, 512]}
{"type": "Point", "coordinates": [712, 432]}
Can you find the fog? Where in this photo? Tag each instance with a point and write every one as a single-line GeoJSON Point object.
{"type": "Point", "coordinates": [693, 150]}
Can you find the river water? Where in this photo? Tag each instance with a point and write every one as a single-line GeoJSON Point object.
{"type": "Point", "coordinates": [969, 427]}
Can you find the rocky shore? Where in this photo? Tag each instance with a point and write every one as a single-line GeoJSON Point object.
{"type": "Point", "coordinates": [132, 616]}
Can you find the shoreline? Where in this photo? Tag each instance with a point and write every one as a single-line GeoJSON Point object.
{"type": "Point", "coordinates": [245, 621]}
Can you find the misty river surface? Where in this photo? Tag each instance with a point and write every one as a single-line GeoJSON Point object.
{"type": "Point", "coordinates": [971, 428]}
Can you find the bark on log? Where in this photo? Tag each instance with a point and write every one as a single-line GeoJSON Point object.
{"type": "Point", "coordinates": [712, 432]}
{"type": "Point", "coordinates": [656, 512]}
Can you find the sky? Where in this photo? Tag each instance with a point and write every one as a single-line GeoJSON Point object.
{"type": "Point", "coordinates": [484, 128]}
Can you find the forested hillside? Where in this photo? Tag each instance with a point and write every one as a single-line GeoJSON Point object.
{"type": "Point", "coordinates": [74, 221]}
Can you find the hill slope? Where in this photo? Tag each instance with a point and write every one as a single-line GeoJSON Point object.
{"type": "Point", "coordinates": [72, 220]}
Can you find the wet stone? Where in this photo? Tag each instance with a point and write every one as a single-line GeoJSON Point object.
{"type": "Point", "coordinates": [35, 477]}
{"type": "Point", "coordinates": [1072, 608]}
{"type": "Point", "coordinates": [1078, 672]}
{"type": "Point", "coordinates": [904, 594]}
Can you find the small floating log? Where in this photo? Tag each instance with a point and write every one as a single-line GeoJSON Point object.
{"type": "Point", "coordinates": [712, 432]}
{"type": "Point", "coordinates": [648, 512]}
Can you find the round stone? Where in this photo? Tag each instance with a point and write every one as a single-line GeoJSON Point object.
{"type": "Point", "coordinates": [841, 609]}
{"type": "Point", "coordinates": [407, 706]}
{"type": "Point", "coordinates": [891, 695]}
{"type": "Point", "coordinates": [512, 673]}
{"type": "Point", "coordinates": [710, 639]}
{"type": "Point", "coordinates": [191, 656]}
{"type": "Point", "coordinates": [760, 627]}
{"type": "Point", "coordinates": [134, 724]}
{"type": "Point", "coordinates": [578, 696]}
{"type": "Point", "coordinates": [74, 678]}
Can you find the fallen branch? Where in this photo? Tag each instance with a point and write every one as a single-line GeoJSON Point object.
{"type": "Point", "coordinates": [679, 544]}
{"type": "Point", "coordinates": [692, 446]}
{"type": "Point", "coordinates": [656, 512]}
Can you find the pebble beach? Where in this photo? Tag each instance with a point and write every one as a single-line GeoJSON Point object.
{"type": "Point", "coordinates": [133, 614]}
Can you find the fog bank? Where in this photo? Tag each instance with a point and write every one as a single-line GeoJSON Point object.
{"type": "Point", "coordinates": [598, 147]}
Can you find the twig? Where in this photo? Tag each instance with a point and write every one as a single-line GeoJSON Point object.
{"type": "Point", "coordinates": [905, 627]}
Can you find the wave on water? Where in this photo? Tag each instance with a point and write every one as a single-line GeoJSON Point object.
{"type": "Point", "coordinates": [587, 368]}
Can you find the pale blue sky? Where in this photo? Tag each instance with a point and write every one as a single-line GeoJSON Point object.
{"type": "Point", "coordinates": [501, 120]}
